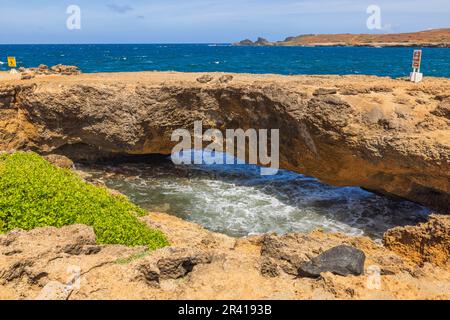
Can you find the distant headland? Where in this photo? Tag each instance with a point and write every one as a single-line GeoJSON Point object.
{"type": "Point", "coordinates": [431, 38]}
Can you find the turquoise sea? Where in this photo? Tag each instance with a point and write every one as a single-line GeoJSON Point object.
{"type": "Point", "coordinates": [392, 62]}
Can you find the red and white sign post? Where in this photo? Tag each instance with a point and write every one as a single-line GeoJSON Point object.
{"type": "Point", "coordinates": [416, 76]}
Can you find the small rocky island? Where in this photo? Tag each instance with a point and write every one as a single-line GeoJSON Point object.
{"type": "Point", "coordinates": [439, 38]}
{"type": "Point", "coordinates": [259, 42]}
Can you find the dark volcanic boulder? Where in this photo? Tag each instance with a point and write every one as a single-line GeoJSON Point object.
{"type": "Point", "coordinates": [341, 260]}
{"type": "Point", "coordinates": [246, 42]}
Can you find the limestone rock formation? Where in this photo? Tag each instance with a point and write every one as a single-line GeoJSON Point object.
{"type": "Point", "coordinates": [225, 78]}
{"type": "Point", "coordinates": [60, 161]}
{"type": "Point", "coordinates": [66, 263]}
{"type": "Point", "coordinates": [427, 242]}
{"type": "Point", "coordinates": [389, 136]}
{"type": "Point", "coordinates": [43, 70]}
{"type": "Point", "coordinates": [171, 263]}
{"type": "Point", "coordinates": [205, 78]}
{"type": "Point", "coordinates": [27, 76]}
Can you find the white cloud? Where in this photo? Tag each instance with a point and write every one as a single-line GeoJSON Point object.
{"type": "Point", "coordinates": [122, 9]}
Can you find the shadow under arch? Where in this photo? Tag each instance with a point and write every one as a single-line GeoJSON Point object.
{"type": "Point", "coordinates": [238, 201]}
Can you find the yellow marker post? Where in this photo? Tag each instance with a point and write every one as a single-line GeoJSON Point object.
{"type": "Point", "coordinates": [12, 62]}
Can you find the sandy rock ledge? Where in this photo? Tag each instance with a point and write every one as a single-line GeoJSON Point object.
{"type": "Point", "coordinates": [66, 263]}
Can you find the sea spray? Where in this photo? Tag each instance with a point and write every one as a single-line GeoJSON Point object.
{"type": "Point", "coordinates": [238, 201]}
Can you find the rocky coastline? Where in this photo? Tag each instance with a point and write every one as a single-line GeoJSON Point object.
{"type": "Point", "coordinates": [437, 38]}
{"type": "Point", "coordinates": [385, 135]}
{"type": "Point", "coordinates": [200, 264]}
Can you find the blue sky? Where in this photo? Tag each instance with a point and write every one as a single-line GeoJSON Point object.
{"type": "Point", "coordinates": [199, 21]}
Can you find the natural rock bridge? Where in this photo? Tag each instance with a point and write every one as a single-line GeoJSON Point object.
{"type": "Point", "coordinates": [385, 135]}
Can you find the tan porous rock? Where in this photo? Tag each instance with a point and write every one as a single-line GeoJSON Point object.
{"type": "Point", "coordinates": [427, 242]}
{"type": "Point", "coordinates": [58, 264]}
{"type": "Point", "coordinates": [59, 161]}
{"type": "Point", "coordinates": [385, 135]}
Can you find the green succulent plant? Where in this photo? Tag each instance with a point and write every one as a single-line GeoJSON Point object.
{"type": "Point", "coordinates": [34, 193]}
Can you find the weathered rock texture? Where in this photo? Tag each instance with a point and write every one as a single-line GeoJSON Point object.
{"type": "Point", "coordinates": [59, 69]}
{"type": "Point", "coordinates": [341, 260]}
{"type": "Point", "coordinates": [390, 136]}
{"type": "Point", "coordinates": [424, 243]}
{"type": "Point", "coordinates": [66, 263]}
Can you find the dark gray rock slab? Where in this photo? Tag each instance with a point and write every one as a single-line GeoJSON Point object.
{"type": "Point", "coordinates": [341, 260]}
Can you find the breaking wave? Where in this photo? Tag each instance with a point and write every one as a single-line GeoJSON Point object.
{"type": "Point", "coordinates": [238, 201]}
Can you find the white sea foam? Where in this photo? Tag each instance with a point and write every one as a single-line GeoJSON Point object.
{"type": "Point", "coordinates": [236, 200]}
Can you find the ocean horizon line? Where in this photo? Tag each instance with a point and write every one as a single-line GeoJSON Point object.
{"type": "Point", "coordinates": [225, 44]}
{"type": "Point", "coordinates": [117, 43]}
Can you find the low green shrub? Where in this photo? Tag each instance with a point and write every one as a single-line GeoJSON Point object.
{"type": "Point", "coordinates": [34, 193]}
